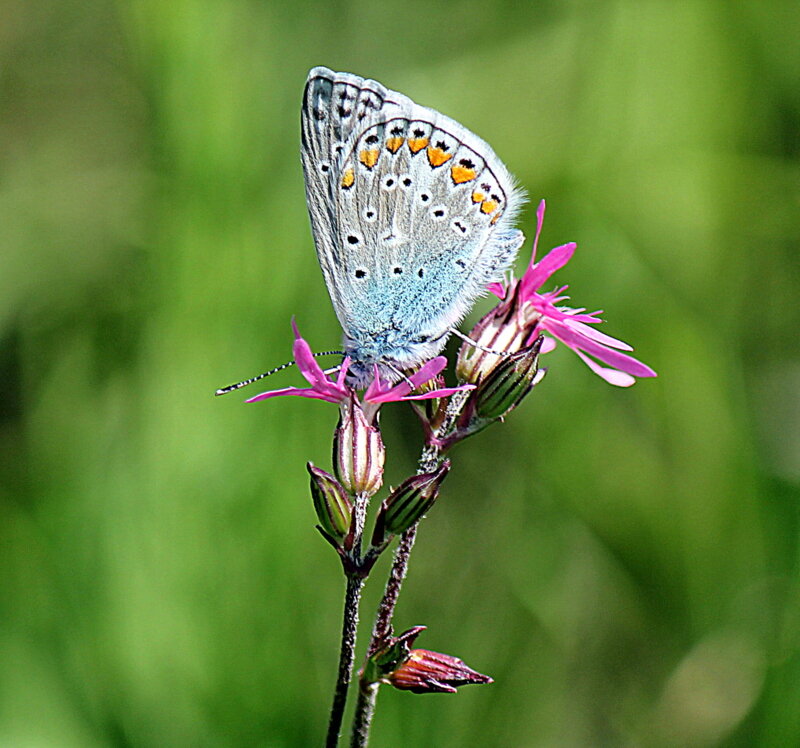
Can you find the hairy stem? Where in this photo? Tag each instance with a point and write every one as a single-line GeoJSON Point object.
{"type": "Point", "coordinates": [368, 692]}
{"type": "Point", "coordinates": [347, 649]}
{"type": "Point", "coordinates": [346, 658]}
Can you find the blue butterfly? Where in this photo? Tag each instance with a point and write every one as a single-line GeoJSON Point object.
{"type": "Point", "coordinates": [411, 216]}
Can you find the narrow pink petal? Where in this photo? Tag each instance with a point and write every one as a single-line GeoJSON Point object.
{"type": "Point", "coordinates": [498, 289]}
{"type": "Point", "coordinates": [374, 390]}
{"type": "Point", "coordinates": [428, 371]}
{"type": "Point", "coordinates": [548, 344]}
{"type": "Point", "coordinates": [298, 392]}
{"type": "Point", "coordinates": [609, 356]}
{"type": "Point", "coordinates": [537, 274]}
{"type": "Point", "coordinates": [596, 335]}
{"type": "Point", "coordinates": [539, 222]}
{"type": "Point", "coordinates": [343, 372]}
{"type": "Point", "coordinates": [612, 376]}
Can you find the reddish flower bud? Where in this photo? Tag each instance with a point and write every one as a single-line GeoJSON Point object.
{"type": "Point", "coordinates": [333, 508]}
{"type": "Point", "coordinates": [358, 452]}
{"type": "Point", "coordinates": [432, 672]}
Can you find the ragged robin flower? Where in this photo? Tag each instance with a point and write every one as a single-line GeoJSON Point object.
{"type": "Point", "coordinates": [524, 313]}
{"type": "Point", "coordinates": [323, 387]}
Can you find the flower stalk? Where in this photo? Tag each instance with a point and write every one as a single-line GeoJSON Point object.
{"type": "Point", "coordinates": [498, 366]}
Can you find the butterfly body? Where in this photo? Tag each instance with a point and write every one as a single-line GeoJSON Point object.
{"type": "Point", "coordinates": [411, 215]}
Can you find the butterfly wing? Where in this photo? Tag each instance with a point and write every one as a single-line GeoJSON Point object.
{"type": "Point", "coordinates": [412, 220]}
{"type": "Point", "coordinates": [336, 106]}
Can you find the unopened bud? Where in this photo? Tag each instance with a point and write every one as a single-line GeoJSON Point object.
{"type": "Point", "coordinates": [408, 503]}
{"type": "Point", "coordinates": [358, 451]}
{"type": "Point", "coordinates": [433, 672]}
{"type": "Point", "coordinates": [508, 383]}
{"type": "Point", "coordinates": [333, 508]}
{"type": "Point", "coordinates": [418, 670]}
{"type": "Point", "coordinates": [498, 330]}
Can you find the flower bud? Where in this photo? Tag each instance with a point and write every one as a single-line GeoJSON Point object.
{"type": "Point", "coordinates": [408, 503]}
{"type": "Point", "coordinates": [333, 508]}
{"type": "Point", "coordinates": [358, 452]}
{"type": "Point", "coordinates": [418, 670]}
{"type": "Point", "coordinates": [499, 330]}
{"type": "Point", "coordinates": [432, 672]}
{"type": "Point", "coordinates": [508, 383]}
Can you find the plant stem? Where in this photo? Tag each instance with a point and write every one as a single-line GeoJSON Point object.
{"type": "Point", "coordinates": [346, 658]}
{"type": "Point", "coordinates": [352, 598]}
{"type": "Point", "coordinates": [368, 692]}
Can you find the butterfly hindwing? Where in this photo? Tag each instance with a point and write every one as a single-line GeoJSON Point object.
{"type": "Point", "coordinates": [421, 212]}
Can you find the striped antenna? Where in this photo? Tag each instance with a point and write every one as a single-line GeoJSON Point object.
{"type": "Point", "coordinates": [467, 339]}
{"type": "Point", "coordinates": [239, 385]}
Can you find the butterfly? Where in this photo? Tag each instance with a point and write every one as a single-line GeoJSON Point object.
{"type": "Point", "coordinates": [412, 218]}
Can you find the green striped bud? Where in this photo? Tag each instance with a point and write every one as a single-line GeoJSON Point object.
{"type": "Point", "coordinates": [505, 387]}
{"type": "Point", "coordinates": [408, 503]}
{"type": "Point", "coordinates": [333, 508]}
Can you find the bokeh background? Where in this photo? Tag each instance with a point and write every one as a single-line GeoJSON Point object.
{"type": "Point", "coordinates": [623, 562]}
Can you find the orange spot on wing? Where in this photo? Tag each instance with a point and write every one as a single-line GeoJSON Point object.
{"type": "Point", "coordinates": [348, 178]}
{"type": "Point", "coordinates": [436, 156]}
{"type": "Point", "coordinates": [477, 197]}
{"type": "Point", "coordinates": [461, 174]}
{"type": "Point", "coordinates": [393, 144]}
{"type": "Point", "coordinates": [417, 144]}
{"type": "Point", "coordinates": [369, 158]}
{"type": "Point", "coordinates": [496, 218]}
{"type": "Point", "coordinates": [488, 206]}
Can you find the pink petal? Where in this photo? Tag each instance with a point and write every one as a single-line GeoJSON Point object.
{"type": "Point", "coordinates": [498, 289]}
{"type": "Point", "coordinates": [548, 344]}
{"type": "Point", "coordinates": [428, 371]}
{"type": "Point", "coordinates": [375, 389]}
{"type": "Point", "coordinates": [297, 391]}
{"type": "Point", "coordinates": [343, 372]}
{"type": "Point", "coordinates": [539, 222]}
{"type": "Point", "coordinates": [612, 376]}
{"type": "Point", "coordinates": [609, 356]}
{"type": "Point", "coordinates": [596, 335]}
{"type": "Point", "coordinates": [537, 274]}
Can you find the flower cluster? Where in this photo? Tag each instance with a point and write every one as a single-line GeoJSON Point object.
{"type": "Point", "coordinates": [524, 313]}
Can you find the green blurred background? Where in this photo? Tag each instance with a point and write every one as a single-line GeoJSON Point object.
{"type": "Point", "coordinates": [624, 563]}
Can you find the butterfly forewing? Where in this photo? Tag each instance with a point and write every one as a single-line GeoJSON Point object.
{"type": "Point", "coordinates": [411, 212]}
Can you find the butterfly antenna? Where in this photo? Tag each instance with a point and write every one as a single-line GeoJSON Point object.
{"type": "Point", "coordinates": [239, 385]}
{"type": "Point", "coordinates": [467, 339]}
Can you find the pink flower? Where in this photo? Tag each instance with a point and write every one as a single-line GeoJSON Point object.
{"type": "Point", "coordinates": [377, 392]}
{"type": "Point", "coordinates": [336, 391]}
{"type": "Point", "coordinates": [536, 312]}
{"type": "Point", "coordinates": [322, 388]}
